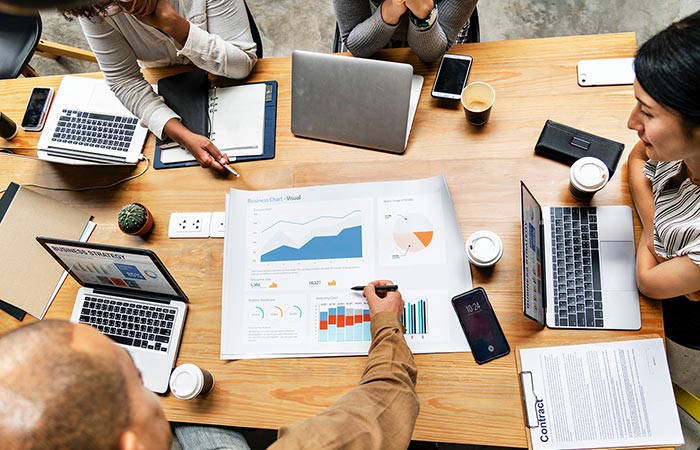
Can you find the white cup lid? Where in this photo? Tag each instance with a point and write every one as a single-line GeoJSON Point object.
{"type": "Point", "coordinates": [484, 248]}
{"type": "Point", "coordinates": [186, 381]}
{"type": "Point", "coordinates": [589, 174]}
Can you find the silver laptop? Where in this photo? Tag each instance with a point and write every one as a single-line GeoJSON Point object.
{"type": "Point", "coordinates": [129, 296]}
{"type": "Point", "coordinates": [579, 266]}
{"type": "Point", "coordinates": [354, 101]}
{"type": "Point", "coordinates": [87, 124]}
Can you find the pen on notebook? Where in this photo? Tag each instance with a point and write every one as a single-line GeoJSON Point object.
{"type": "Point", "coordinates": [386, 287]}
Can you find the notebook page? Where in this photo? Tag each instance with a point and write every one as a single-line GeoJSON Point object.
{"type": "Point", "coordinates": [237, 119]}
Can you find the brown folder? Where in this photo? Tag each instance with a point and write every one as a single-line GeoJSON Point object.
{"type": "Point", "coordinates": [29, 274]}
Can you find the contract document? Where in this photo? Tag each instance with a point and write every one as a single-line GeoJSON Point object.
{"type": "Point", "coordinates": [292, 255]}
{"type": "Point", "coordinates": [613, 394]}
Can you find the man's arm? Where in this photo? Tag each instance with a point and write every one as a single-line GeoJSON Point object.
{"type": "Point", "coordinates": [381, 411]}
{"type": "Point", "coordinates": [363, 32]}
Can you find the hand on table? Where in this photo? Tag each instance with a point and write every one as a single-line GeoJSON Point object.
{"type": "Point", "coordinates": [383, 301]}
{"type": "Point", "coordinates": [203, 149]}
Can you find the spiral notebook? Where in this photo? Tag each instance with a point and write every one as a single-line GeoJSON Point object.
{"type": "Point", "coordinates": [240, 120]}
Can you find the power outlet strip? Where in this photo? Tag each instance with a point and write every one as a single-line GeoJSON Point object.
{"type": "Point", "coordinates": [196, 225]}
{"type": "Point", "coordinates": [217, 228]}
{"type": "Point", "coordinates": [189, 225]}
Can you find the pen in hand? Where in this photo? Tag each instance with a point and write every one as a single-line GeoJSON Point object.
{"type": "Point", "coordinates": [387, 287]}
{"type": "Point", "coordinates": [232, 170]}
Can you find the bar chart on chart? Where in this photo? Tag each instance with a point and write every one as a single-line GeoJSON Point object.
{"type": "Point", "coordinates": [350, 322]}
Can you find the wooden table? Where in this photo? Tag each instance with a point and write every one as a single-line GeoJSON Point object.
{"type": "Point", "coordinates": [534, 80]}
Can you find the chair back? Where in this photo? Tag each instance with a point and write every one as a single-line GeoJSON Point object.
{"type": "Point", "coordinates": [255, 32]}
{"type": "Point", "coordinates": [19, 36]}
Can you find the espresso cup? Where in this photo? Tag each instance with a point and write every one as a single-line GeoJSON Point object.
{"type": "Point", "coordinates": [8, 128]}
{"type": "Point", "coordinates": [587, 176]}
{"type": "Point", "coordinates": [484, 248]}
{"type": "Point", "coordinates": [477, 101]}
{"type": "Point", "coordinates": [189, 381]}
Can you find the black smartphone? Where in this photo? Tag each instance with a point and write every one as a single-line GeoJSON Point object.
{"type": "Point", "coordinates": [37, 109]}
{"type": "Point", "coordinates": [480, 325]}
{"type": "Point", "coordinates": [451, 76]}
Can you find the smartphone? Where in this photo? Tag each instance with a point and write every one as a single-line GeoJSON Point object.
{"type": "Point", "coordinates": [451, 76]}
{"type": "Point", "coordinates": [605, 72]}
{"type": "Point", "coordinates": [480, 325]}
{"type": "Point", "coordinates": [37, 109]}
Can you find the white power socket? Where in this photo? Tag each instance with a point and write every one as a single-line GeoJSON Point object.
{"type": "Point", "coordinates": [189, 225]}
{"type": "Point", "coordinates": [218, 225]}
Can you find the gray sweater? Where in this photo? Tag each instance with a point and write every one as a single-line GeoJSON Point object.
{"type": "Point", "coordinates": [364, 32]}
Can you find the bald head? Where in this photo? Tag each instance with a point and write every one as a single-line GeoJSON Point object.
{"type": "Point", "coordinates": [62, 387]}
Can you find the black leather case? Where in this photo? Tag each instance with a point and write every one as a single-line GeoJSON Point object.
{"type": "Point", "coordinates": [187, 94]}
{"type": "Point", "coordinates": [567, 144]}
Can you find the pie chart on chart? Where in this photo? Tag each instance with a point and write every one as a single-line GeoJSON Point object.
{"type": "Point", "coordinates": [412, 232]}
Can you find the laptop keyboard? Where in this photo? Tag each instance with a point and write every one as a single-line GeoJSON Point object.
{"type": "Point", "coordinates": [130, 323]}
{"type": "Point", "coordinates": [95, 130]}
{"type": "Point", "coordinates": [577, 298]}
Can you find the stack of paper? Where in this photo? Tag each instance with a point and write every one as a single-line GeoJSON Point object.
{"type": "Point", "coordinates": [291, 256]}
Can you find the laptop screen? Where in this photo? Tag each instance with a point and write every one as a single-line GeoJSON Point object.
{"type": "Point", "coordinates": [113, 267]}
{"type": "Point", "coordinates": [533, 294]}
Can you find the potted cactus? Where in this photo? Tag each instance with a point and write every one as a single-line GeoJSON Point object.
{"type": "Point", "coordinates": [135, 219]}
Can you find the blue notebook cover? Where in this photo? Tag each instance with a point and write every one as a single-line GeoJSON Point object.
{"type": "Point", "coordinates": [268, 134]}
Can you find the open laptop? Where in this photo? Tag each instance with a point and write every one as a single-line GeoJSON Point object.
{"type": "Point", "coordinates": [354, 101]}
{"type": "Point", "coordinates": [579, 265]}
{"type": "Point", "coordinates": [130, 297]}
{"type": "Point", "coordinates": [87, 124]}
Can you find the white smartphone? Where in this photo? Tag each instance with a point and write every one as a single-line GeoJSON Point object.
{"type": "Point", "coordinates": [37, 109]}
{"type": "Point", "coordinates": [605, 72]}
{"type": "Point", "coordinates": [451, 76]}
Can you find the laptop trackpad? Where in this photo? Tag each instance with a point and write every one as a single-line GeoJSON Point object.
{"type": "Point", "coordinates": [617, 266]}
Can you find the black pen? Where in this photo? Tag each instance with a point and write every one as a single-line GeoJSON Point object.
{"type": "Point", "coordinates": [386, 287]}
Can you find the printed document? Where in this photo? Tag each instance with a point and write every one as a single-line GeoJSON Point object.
{"type": "Point", "coordinates": [291, 256]}
{"type": "Point", "coordinates": [613, 394]}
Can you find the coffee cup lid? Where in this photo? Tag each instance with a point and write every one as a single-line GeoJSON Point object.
{"type": "Point", "coordinates": [484, 248]}
{"type": "Point", "coordinates": [589, 174]}
{"type": "Point", "coordinates": [186, 381]}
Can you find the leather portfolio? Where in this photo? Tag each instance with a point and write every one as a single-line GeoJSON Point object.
{"type": "Point", "coordinates": [567, 144]}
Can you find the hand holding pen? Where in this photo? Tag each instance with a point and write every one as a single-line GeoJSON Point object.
{"type": "Point", "coordinates": [383, 295]}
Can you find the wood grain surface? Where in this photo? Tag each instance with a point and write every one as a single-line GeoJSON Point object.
{"type": "Point", "coordinates": [461, 401]}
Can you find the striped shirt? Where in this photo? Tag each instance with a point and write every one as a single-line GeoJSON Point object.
{"type": "Point", "coordinates": [677, 211]}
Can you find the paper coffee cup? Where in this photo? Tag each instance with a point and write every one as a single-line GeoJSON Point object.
{"type": "Point", "coordinates": [484, 248]}
{"type": "Point", "coordinates": [189, 381]}
{"type": "Point", "coordinates": [477, 100]}
{"type": "Point", "coordinates": [587, 176]}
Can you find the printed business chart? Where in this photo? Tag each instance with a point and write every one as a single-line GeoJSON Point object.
{"type": "Point", "coordinates": [292, 255]}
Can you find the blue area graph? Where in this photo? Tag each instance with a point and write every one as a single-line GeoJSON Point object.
{"type": "Point", "coordinates": [346, 244]}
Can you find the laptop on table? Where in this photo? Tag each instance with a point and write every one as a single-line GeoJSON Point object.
{"type": "Point", "coordinates": [87, 124]}
{"type": "Point", "coordinates": [579, 265]}
{"type": "Point", "coordinates": [129, 296]}
{"type": "Point", "coordinates": [355, 101]}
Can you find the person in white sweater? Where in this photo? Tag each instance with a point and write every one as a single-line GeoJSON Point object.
{"type": "Point", "coordinates": [214, 35]}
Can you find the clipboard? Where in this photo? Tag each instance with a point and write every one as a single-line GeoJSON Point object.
{"type": "Point", "coordinates": [269, 133]}
{"type": "Point", "coordinates": [530, 397]}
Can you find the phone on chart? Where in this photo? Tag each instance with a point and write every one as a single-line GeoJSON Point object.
{"type": "Point", "coordinates": [37, 109]}
{"type": "Point", "coordinates": [480, 325]}
{"type": "Point", "coordinates": [451, 76]}
{"type": "Point", "coordinates": [605, 72]}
